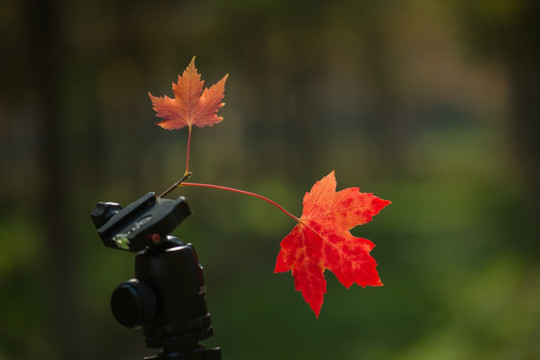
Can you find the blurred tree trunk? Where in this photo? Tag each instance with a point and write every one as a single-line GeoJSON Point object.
{"type": "Point", "coordinates": [510, 32]}
{"type": "Point", "coordinates": [387, 113]}
{"type": "Point", "coordinates": [521, 54]}
{"type": "Point", "coordinates": [48, 54]}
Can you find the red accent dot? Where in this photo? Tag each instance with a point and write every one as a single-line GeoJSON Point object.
{"type": "Point", "coordinates": [155, 238]}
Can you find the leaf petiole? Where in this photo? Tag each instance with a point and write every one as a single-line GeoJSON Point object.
{"type": "Point", "coordinates": [211, 186]}
{"type": "Point", "coordinates": [187, 151]}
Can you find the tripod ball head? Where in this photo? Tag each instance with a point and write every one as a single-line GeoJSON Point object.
{"type": "Point", "coordinates": [167, 297]}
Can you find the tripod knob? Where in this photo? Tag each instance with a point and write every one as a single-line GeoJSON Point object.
{"type": "Point", "coordinates": [133, 303]}
{"type": "Point", "coordinates": [103, 211]}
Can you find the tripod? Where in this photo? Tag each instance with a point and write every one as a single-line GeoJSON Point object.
{"type": "Point", "coordinates": [167, 297]}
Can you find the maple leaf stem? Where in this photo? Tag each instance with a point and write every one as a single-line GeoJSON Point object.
{"type": "Point", "coordinates": [187, 151]}
{"type": "Point", "coordinates": [241, 192]}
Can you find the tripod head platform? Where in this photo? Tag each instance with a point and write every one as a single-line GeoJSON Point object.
{"type": "Point", "coordinates": [167, 297]}
{"type": "Point", "coordinates": [142, 224]}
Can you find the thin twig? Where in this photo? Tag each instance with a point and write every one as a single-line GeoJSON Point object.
{"type": "Point", "coordinates": [176, 184]}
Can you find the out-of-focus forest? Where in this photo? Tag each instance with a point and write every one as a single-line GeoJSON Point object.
{"type": "Point", "coordinates": [433, 105]}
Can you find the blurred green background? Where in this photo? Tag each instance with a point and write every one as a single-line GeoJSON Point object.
{"type": "Point", "coordinates": [433, 105]}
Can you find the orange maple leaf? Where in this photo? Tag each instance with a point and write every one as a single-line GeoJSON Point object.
{"type": "Point", "coordinates": [321, 240]}
{"type": "Point", "coordinates": [190, 107]}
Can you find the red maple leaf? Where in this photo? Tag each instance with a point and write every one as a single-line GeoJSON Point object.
{"type": "Point", "coordinates": [321, 240]}
{"type": "Point", "coordinates": [190, 107]}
